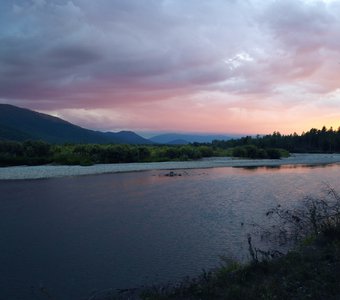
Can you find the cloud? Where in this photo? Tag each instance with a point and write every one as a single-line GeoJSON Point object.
{"type": "Point", "coordinates": [119, 55]}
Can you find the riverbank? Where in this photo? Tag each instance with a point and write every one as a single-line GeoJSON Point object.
{"type": "Point", "coordinates": [51, 171]}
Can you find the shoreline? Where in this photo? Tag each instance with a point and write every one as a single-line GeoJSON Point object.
{"type": "Point", "coordinates": [49, 171]}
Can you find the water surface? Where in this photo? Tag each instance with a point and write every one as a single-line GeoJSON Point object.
{"type": "Point", "coordinates": [65, 238]}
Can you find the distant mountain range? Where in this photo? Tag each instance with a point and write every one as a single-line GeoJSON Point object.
{"type": "Point", "coordinates": [180, 139]}
{"type": "Point", "coordinates": [20, 124]}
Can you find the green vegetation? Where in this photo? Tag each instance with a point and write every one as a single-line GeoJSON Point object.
{"type": "Point", "coordinates": [310, 271]}
{"type": "Point", "coordinates": [314, 140]}
{"type": "Point", "coordinates": [252, 151]}
{"type": "Point", "coordinates": [37, 152]}
{"type": "Point", "coordinates": [272, 146]}
{"type": "Point", "coordinates": [29, 152]}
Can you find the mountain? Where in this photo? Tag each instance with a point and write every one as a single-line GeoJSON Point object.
{"type": "Point", "coordinates": [128, 137]}
{"type": "Point", "coordinates": [19, 124]}
{"type": "Point", "coordinates": [173, 138]}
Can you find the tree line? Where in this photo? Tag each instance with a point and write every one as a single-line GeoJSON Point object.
{"type": "Point", "coordinates": [312, 141]}
{"type": "Point", "coordinates": [38, 153]}
{"type": "Point", "coordinates": [271, 146]}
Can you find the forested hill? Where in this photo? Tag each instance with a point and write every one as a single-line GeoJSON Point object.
{"type": "Point", "coordinates": [19, 124]}
{"type": "Point", "coordinates": [314, 140]}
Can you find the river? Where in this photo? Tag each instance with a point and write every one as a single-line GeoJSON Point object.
{"type": "Point", "coordinates": [67, 238]}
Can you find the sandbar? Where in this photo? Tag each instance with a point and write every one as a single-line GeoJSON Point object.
{"type": "Point", "coordinates": [52, 171]}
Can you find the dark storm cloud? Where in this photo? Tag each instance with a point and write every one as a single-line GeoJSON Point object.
{"type": "Point", "coordinates": [75, 44]}
{"type": "Point", "coordinates": [73, 56]}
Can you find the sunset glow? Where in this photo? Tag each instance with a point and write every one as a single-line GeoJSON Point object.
{"type": "Point", "coordinates": [215, 66]}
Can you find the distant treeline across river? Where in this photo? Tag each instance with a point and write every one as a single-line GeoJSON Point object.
{"type": "Point", "coordinates": [272, 146]}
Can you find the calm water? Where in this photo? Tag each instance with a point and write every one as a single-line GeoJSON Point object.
{"type": "Point", "coordinates": [66, 238]}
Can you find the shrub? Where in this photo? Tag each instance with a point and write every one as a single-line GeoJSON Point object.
{"type": "Point", "coordinates": [273, 153]}
{"type": "Point", "coordinates": [205, 151]}
{"type": "Point", "coordinates": [239, 152]}
{"type": "Point", "coordinates": [316, 215]}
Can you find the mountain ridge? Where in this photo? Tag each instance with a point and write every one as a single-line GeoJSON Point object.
{"type": "Point", "coordinates": [173, 138]}
{"type": "Point", "coordinates": [19, 124]}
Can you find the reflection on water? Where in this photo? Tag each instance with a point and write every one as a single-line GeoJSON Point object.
{"type": "Point", "coordinates": [72, 236]}
{"type": "Point", "coordinates": [283, 167]}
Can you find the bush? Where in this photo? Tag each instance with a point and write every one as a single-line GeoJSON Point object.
{"type": "Point", "coordinates": [239, 152]}
{"type": "Point", "coordinates": [251, 151]}
{"type": "Point", "coordinates": [316, 215]}
{"type": "Point", "coordinates": [206, 151]}
{"type": "Point", "coordinates": [273, 153]}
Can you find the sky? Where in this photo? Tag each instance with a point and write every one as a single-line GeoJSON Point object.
{"type": "Point", "coordinates": [208, 66]}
